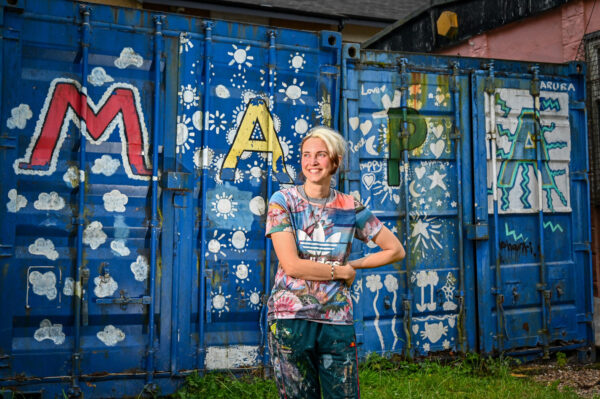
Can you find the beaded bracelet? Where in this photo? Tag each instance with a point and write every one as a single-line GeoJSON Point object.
{"type": "Point", "coordinates": [332, 266]}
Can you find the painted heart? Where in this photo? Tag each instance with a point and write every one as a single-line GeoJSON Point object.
{"type": "Point", "coordinates": [438, 130]}
{"type": "Point", "coordinates": [353, 122]}
{"type": "Point", "coordinates": [415, 328]}
{"type": "Point", "coordinates": [451, 322]}
{"type": "Point", "coordinates": [396, 100]}
{"type": "Point", "coordinates": [421, 307]}
{"type": "Point", "coordinates": [420, 171]}
{"type": "Point", "coordinates": [439, 98]}
{"type": "Point", "coordinates": [365, 127]}
{"type": "Point", "coordinates": [386, 102]}
{"type": "Point", "coordinates": [437, 148]}
{"type": "Point", "coordinates": [368, 180]}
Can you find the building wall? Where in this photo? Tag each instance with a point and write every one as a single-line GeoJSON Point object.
{"type": "Point", "coordinates": [554, 36]}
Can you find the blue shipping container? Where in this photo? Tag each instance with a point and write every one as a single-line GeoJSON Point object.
{"type": "Point", "coordinates": [139, 151]}
{"type": "Point", "coordinates": [482, 166]}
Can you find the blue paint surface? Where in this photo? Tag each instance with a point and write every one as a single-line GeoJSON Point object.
{"type": "Point", "coordinates": [227, 87]}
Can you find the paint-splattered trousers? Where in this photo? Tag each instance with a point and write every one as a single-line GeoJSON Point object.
{"type": "Point", "coordinates": [308, 357]}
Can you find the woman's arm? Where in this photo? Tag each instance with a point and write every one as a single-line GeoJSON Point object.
{"type": "Point", "coordinates": [287, 253]}
{"type": "Point", "coordinates": [391, 251]}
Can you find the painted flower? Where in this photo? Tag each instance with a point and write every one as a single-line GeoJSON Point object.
{"type": "Point", "coordinates": [391, 283]}
{"type": "Point", "coordinates": [374, 282]}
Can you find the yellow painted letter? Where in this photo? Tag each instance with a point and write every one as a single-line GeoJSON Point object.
{"type": "Point", "coordinates": [257, 113]}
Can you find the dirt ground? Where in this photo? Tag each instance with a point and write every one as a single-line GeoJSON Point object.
{"type": "Point", "coordinates": [583, 379]}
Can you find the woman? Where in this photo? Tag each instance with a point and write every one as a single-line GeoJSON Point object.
{"type": "Point", "coordinates": [311, 335]}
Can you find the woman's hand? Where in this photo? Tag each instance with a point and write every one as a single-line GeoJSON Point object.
{"type": "Point", "coordinates": [346, 273]}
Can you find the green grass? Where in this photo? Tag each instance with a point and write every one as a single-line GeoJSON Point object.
{"type": "Point", "coordinates": [470, 377]}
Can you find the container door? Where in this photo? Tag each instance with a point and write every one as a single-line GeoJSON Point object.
{"type": "Point", "coordinates": [247, 96]}
{"type": "Point", "coordinates": [535, 284]}
{"type": "Point", "coordinates": [80, 126]}
{"type": "Point", "coordinates": [407, 120]}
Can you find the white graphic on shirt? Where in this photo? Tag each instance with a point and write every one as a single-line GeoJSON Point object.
{"type": "Point", "coordinates": [317, 244]}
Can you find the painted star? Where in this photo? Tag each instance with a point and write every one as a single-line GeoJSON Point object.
{"type": "Point", "coordinates": [420, 227]}
{"type": "Point", "coordinates": [453, 203]}
{"type": "Point", "coordinates": [438, 203]}
{"type": "Point", "coordinates": [437, 179]}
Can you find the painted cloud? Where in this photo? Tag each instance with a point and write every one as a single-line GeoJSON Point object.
{"type": "Point", "coordinates": [71, 177]}
{"type": "Point", "coordinates": [98, 77]}
{"type": "Point", "coordinates": [93, 235]}
{"type": "Point", "coordinates": [50, 331]}
{"type": "Point", "coordinates": [257, 205]}
{"type": "Point", "coordinates": [43, 284]}
{"type": "Point", "coordinates": [68, 287]}
{"type": "Point", "coordinates": [140, 268]}
{"type": "Point", "coordinates": [105, 286]}
{"type": "Point", "coordinates": [111, 335]}
{"type": "Point", "coordinates": [19, 117]}
{"type": "Point", "coordinates": [43, 247]}
{"type": "Point", "coordinates": [49, 202]}
{"type": "Point", "coordinates": [115, 201]}
{"type": "Point", "coordinates": [105, 165]}
{"type": "Point", "coordinates": [222, 91]}
{"type": "Point", "coordinates": [128, 57]}
{"type": "Point", "coordinates": [119, 248]}
{"type": "Point", "coordinates": [16, 201]}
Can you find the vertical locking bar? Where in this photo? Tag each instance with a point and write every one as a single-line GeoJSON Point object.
{"type": "Point", "coordinates": [404, 135]}
{"type": "Point", "coordinates": [208, 26]}
{"type": "Point", "coordinates": [490, 92]}
{"type": "Point", "coordinates": [154, 222]}
{"type": "Point", "coordinates": [268, 253]}
{"type": "Point", "coordinates": [75, 390]}
{"type": "Point", "coordinates": [459, 192]}
{"type": "Point", "coordinates": [539, 143]}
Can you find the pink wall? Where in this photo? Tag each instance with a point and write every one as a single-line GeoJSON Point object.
{"type": "Point", "coordinates": [553, 36]}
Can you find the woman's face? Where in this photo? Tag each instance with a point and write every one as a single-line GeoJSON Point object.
{"type": "Point", "coordinates": [316, 163]}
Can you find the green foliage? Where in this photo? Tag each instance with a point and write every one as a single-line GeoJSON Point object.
{"type": "Point", "coordinates": [561, 359]}
{"type": "Point", "coordinates": [226, 386]}
{"type": "Point", "coordinates": [471, 376]}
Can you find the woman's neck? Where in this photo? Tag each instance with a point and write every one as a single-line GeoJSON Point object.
{"type": "Point", "coordinates": [313, 190]}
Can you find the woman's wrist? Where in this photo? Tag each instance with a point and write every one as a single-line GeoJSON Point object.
{"type": "Point", "coordinates": [340, 272]}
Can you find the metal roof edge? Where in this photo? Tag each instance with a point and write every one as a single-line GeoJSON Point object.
{"type": "Point", "coordinates": [400, 22]}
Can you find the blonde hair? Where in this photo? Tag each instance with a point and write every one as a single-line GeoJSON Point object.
{"type": "Point", "coordinates": [335, 143]}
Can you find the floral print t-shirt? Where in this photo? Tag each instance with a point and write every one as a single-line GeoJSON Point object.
{"type": "Point", "coordinates": [323, 234]}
